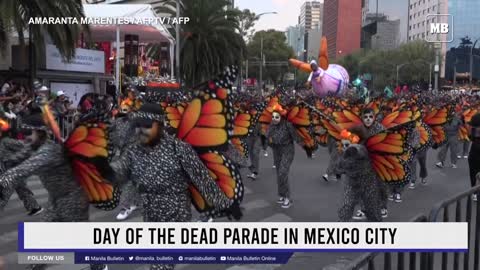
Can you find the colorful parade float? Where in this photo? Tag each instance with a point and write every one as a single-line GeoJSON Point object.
{"type": "Point", "coordinates": [326, 78]}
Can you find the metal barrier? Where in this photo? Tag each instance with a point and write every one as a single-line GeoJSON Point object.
{"type": "Point", "coordinates": [373, 260]}
{"type": "Point", "coordinates": [471, 214]}
{"type": "Point", "coordinates": [440, 213]}
{"type": "Point", "coordinates": [67, 124]}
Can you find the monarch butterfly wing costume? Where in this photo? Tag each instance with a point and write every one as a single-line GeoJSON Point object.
{"type": "Point", "coordinates": [205, 124]}
{"type": "Point", "coordinates": [463, 132]}
{"type": "Point", "coordinates": [390, 154]}
{"type": "Point", "coordinates": [173, 113]}
{"type": "Point", "coordinates": [436, 118]}
{"type": "Point", "coordinates": [89, 150]}
{"type": "Point", "coordinates": [244, 125]}
{"type": "Point", "coordinates": [266, 116]}
{"type": "Point", "coordinates": [400, 117]}
{"type": "Point", "coordinates": [322, 121]}
{"type": "Point", "coordinates": [346, 119]}
{"type": "Point", "coordinates": [300, 116]}
{"type": "Point", "coordinates": [426, 137]}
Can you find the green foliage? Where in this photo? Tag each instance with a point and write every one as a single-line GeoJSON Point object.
{"type": "Point", "coordinates": [247, 21]}
{"type": "Point", "coordinates": [210, 41]}
{"type": "Point", "coordinates": [15, 14]}
{"type": "Point", "coordinates": [383, 64]}
{"type": "Point", "coordinates": [275, 48]}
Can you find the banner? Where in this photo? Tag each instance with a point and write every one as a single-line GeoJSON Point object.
{"type": "Point", "coordinates": [84, 61]}
{"type": "Point", "coordinates": [248, 237]}
{"type": "Point", "coordinates": [250, 82]}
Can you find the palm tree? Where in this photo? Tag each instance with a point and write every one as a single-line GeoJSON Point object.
{"type": "Point", "coordinates": [15, 15]}
{"type": "Point", "coordinates": [210, 40]}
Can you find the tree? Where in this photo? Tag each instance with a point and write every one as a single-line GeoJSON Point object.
{"type": "Point", "coordinates": [413, 58]}
{"type": "Point", "coordinates": [15, 15]}
{"type": "Point", "coordinates": [247, 21]}
{"type": "Point", "coordinates": [275, 48]}
{"type": "Point", "coordinates": [210, 41]}
{"type": "Point", "coordinates": [465, 42]}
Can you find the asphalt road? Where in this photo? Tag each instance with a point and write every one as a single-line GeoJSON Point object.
{"type": "Point", "coordinates": [314, 201]}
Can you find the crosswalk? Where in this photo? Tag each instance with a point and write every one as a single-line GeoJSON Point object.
{"type": "Point", "coordinates": [14, 212]}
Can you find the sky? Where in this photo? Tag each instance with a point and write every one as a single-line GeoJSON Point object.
{"type": "Point", "coordinates": [289, 10]}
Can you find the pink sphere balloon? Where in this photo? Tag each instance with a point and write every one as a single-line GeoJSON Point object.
{"type": "Point", "coordinates": [333, 80]}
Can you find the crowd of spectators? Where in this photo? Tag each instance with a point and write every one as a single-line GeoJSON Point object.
{"type": "Point", "coordinates": [18, 101]}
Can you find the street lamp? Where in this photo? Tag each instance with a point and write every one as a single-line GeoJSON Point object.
{"type": "Point", "coordinates": [398, 69]}
{"type": "Point", "coordinates": [262, 60]}
{"type": "Point", "coordinates": [471, 60]}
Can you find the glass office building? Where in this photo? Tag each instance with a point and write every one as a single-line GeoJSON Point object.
{"type": "Point", "coordinates": [466, 20]}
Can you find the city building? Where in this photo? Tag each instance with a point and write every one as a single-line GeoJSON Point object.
{"type": "Point", "coordinates": [465, 14]}
{"type": "Point", "coordinates": [311, 15]}
{"type": "Point", "coordinates": [393, 9]}
{"type": "Point", "coordinates": [365, 10]}
{"type": "Point", "coordinates": [343, 36]}
{"type": "Point", "coordinates": [295, 39]}
{"type": "Point", "coordinates": [418, 19]}
{"type": "Point", "coordinates": [379, 32]}
{"type": "Point", "coordinates": [313, 39]}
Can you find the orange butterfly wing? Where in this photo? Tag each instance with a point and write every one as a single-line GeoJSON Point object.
{"type": "Point", "coordinates": [426, 137]}
{"type": "Point", "coordinates": [88, 149]}
{"type": "Point", "coordinates": [205, 123]}
{"type": "Point", "coordinates": [435, 118]}
{"type": "Point", "coordinates": [246, 120]}
{"type": "Point", "coordinates": [400, 117]}
{"type": "Point", "coordinates": [346, 119]}
{"type": "Point", "coordinates": [390, 154]}
{"type": "Point", "coordinates": [463, 132]}
{"type": "Point", "coordinates": [266, 116]}
{"type": "Point", "coordinates": [173, 113]}
{"type": "Point", "coordinates": [204, 120]}
{"type": "Point", "coordinates": [225, 175]}
{"type": "Point", "coordinates": [300, 117]}
{"type": "Point", "coordinates": [240, 145]}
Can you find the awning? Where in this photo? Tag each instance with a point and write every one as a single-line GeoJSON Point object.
{"type": "Point", "coordinates": [146, 33]}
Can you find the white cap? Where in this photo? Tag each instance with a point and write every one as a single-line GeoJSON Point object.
{"type": "Point", "coordinates": [313, 62]}
{"type": "Point", "coordinates": [60, 93]}
{"type": "Point", "coordinates": [43, 88]}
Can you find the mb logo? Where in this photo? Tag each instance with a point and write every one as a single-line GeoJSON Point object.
{"type": "Point", "coordinates": [439, 28]}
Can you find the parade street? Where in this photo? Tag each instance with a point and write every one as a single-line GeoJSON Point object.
{"type": "Point", "coordinates": [314, 201]}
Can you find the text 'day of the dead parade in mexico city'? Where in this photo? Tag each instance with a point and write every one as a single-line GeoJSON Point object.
{"type": "Point", "coordinates": [243, 236]}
